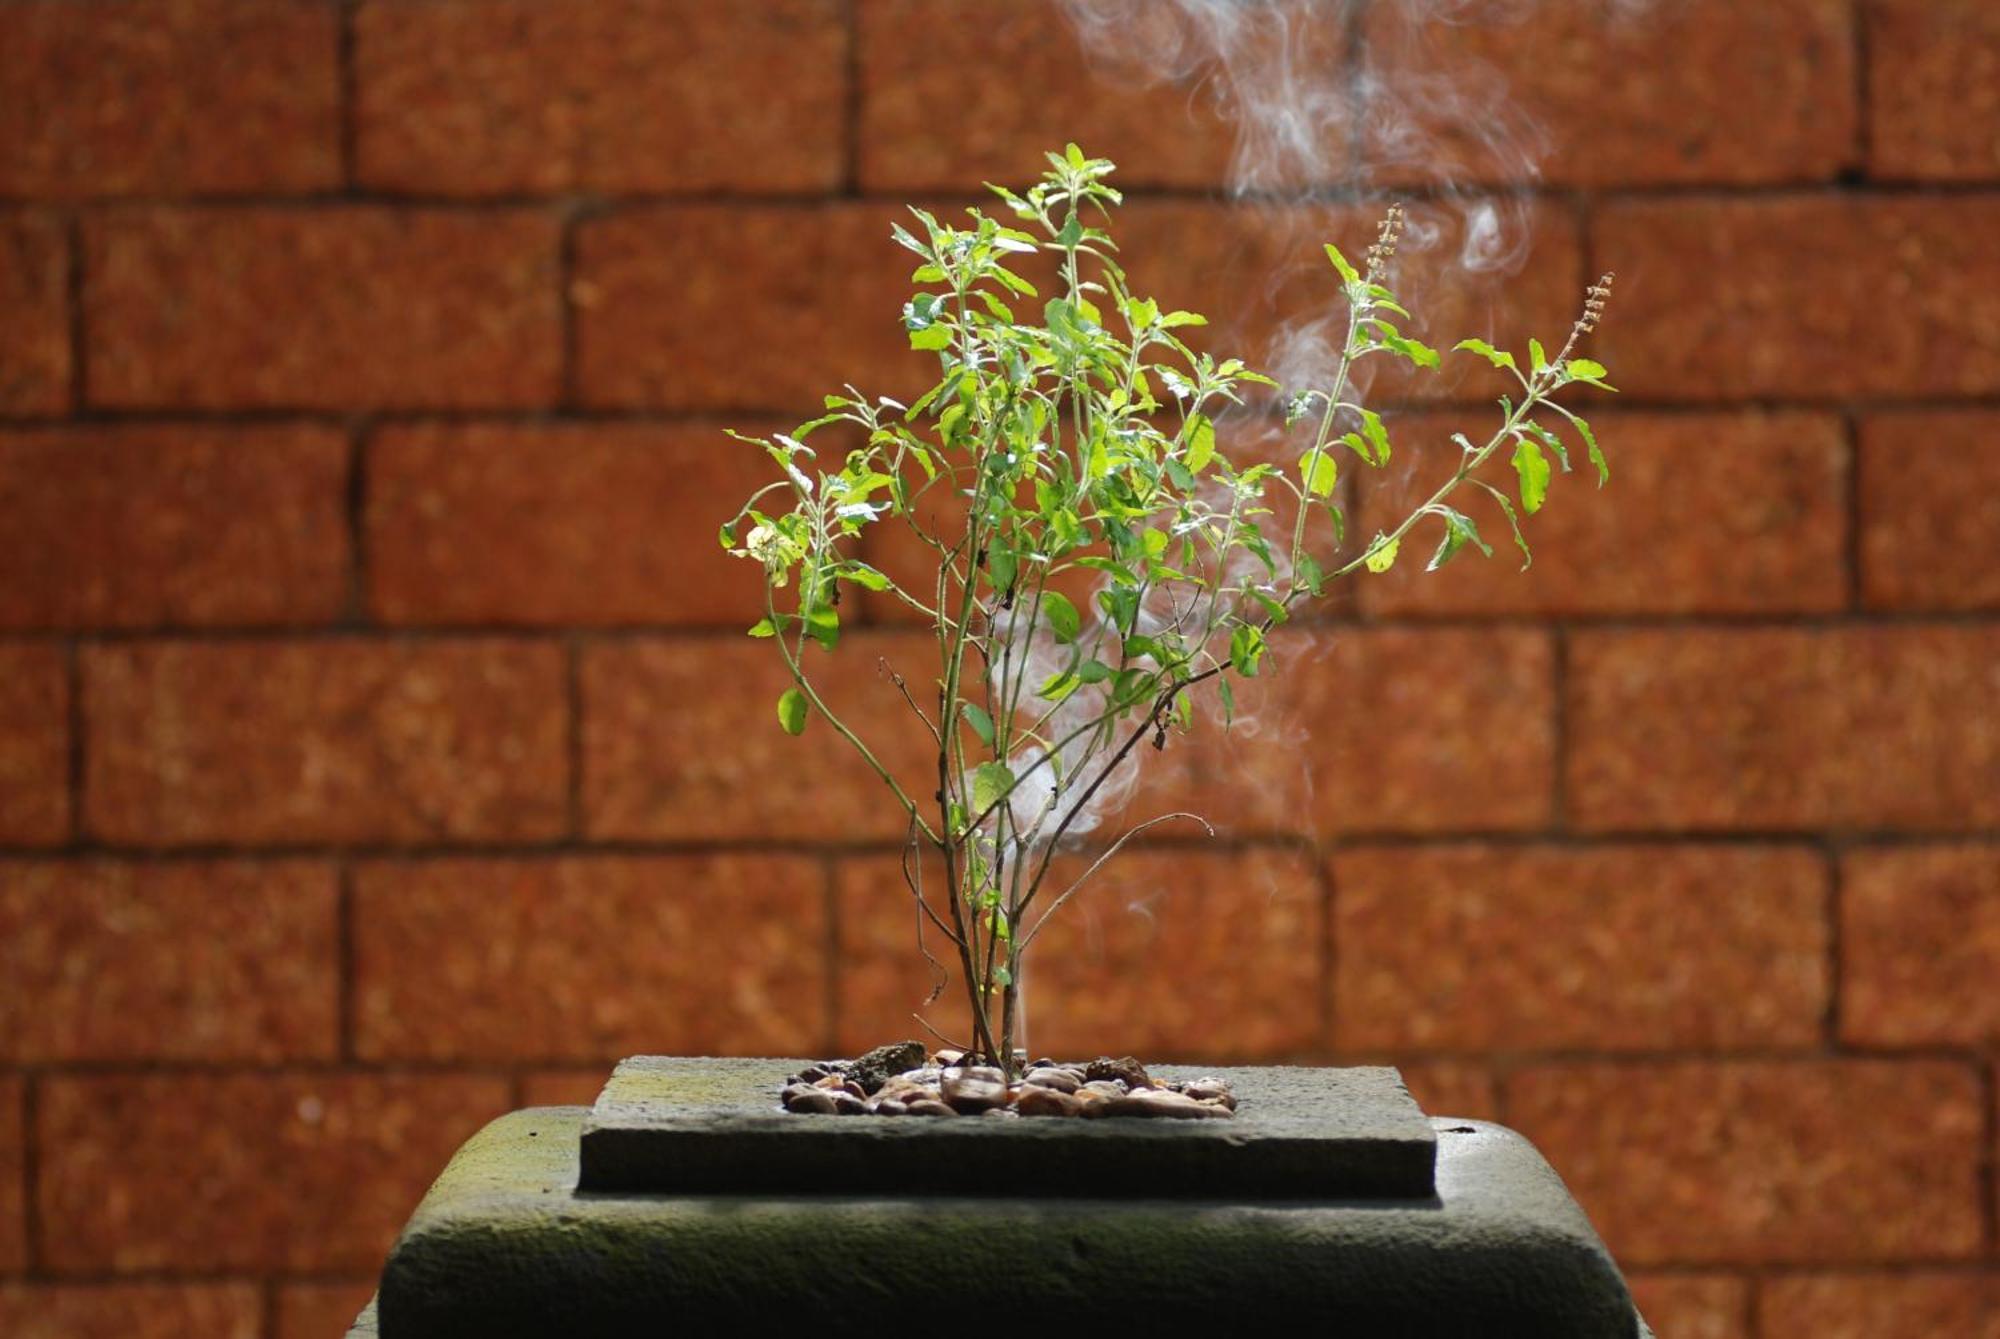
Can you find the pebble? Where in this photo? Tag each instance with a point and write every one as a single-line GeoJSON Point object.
{"type": "Point", "coordinates": [847, 1104]}
{"type": "Point", "coordinates": [974, 1090]}
{"type": "Point", "coordinates": [947, 1058]}
{"type": "Point", "coordinates": [1103, 1088]}
{"type": "Point", "coordinates": [1125, 1069]}
{"type": "Point", "coordinates": [1156, 1102]}
{"type": "Point", "coordinates": [813, 1102]}
{"type": "Point", "coordinates": [1049, 1076]}
{"type": "Point", "coordinates": [1042, 1101]}
{"type": "Point", "coordinates": [925, 1106]}
{"type": "Point", "coordinates": [877, 1067]}
{"type": "Point", "coordinates": [889, 1107]}
{"type": "Point", "coordinates": [1210, 1090]}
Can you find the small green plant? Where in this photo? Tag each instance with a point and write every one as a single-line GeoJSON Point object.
{"type": "Point", "coordinates": [1087, 444]}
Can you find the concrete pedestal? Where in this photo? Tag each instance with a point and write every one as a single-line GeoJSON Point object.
{"type": "Point", "coordinates": [506, 1244]}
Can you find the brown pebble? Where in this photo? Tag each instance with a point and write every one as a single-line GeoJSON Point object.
{"type": "Point", "coordinates": [929, 1107]}
{"type": "Point", "coordinates": [1155, 1102]}
{"type": "Point", "coordinates": [813, 1102]}
{"type": "Point", "coordinates": [1040, 1101]}
{"type": "Point", "coordinates": [1126, 1069]}
{"type": "Point", "coordinates": [947, 1058]}
{"type": "Point", "coordinates": [1052, 1078]}
{"type": "Point", "coordinates": [972, 1091]}
{"type": "Point", "coordinates": [847, 1104]}
{"type": "Point", "coordinates": [889, 1107]}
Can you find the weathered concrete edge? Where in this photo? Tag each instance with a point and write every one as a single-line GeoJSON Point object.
{"type": "Point", "coordinates": [500, 1247]}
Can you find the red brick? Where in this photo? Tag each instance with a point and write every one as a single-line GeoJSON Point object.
{"type": "Point", "coordinates": [1930, 511]}
{"type": "Point", "coordinates": [131, 1310]}
{"type": "Point", "coordinates": [743, 307]}
{"type": "Point", "coordinates": [325, 741]}
{"type": "Point", "coordinates": [1383, 730]}
{"type": "Point", "coordinates": [1765, 1162]}
{"type": "Point", "coordinates": [13, 1178]}
{"type": "Point", "coordinates": [200, 961]}
{"type": "Point", "coordinates": [587, 958]}
{"type": "Point", "coordinates": [1933, 89]}
{"type": "Point", "coordinates": [1868, 728]}
{"type": "Point", "coordinates": [604, 524]}
{"type": "Point", "coordinates": [1821, 297]}
{"type": "Point", "coordinates": [1545, 948]}
{"type": "Point", "coordinates": [1769, 491]}
{"type": "Point", "coordinates": [678, 305]}
{"type": "Point", "coordinates": [1184, 955]}
{"type": "Point", "coordinates": [279, 1172]}
{"type": "Point", "coordinates": [1450, 1087]}
{"type": "Point", "coordinates": [681, 741]}
{"type": "Point", "coordinates": [342, 308]}
{"type": "Point", "coordinates": [1920, 946]}
{"type": "Point", "coordinates": [1757, 93]}
{"type": "Point", "coordinates": [564, 1087]}
{"type": "Point", "coordinates": [34, 339]}
{"type": "Point", "coordinates": [926, 126]}
{"type": "Point", "coordinates": [470, 98]}
{"type": "Point", "coordinates": [1695, 1306]}
{"type": "Point", "coordinates": [118, 526]}
{"type": "Point", "coordinates": [187, 97]}
{"type": "Point", "coordinates": [320, 1310]}
{"type": "Point", "coordinates": [34, 745]}
{"type": "Point", "coordinates": [1882, 1306]}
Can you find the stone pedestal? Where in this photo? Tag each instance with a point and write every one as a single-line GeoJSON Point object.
{"type": "Point", "coordinates": [686, 1201]}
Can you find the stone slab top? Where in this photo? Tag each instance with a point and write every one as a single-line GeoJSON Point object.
{"type": "Point", "coordinates": [675, 1124]}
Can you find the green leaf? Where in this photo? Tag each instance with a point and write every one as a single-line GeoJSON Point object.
{"type": "Point", "coordinates": [1381, 557]}
{"type": "Point", "coordinates": [792, 711]}
{"type": "Point", "coordinates": [1541, 359]}
{"type": "Point", "coordinates": [990, 781]}
{"type": "Point", "coordinates": [1458, 532]}
{"type": "Point", "coordinates": [1201, 443]}
{"type": "Point", "coordinates": [1174, 320]}
{"type": "Point", "coordinates": [1317, 472]}
{"type": "Point", "coordinates": [1228, 696]}
{"type": "Point", "coordinates": [1514, 521]}
{"type": "Point", "coordinates": [861, 574]}
{"type": "Point", "coordinates": [931, 339]}
{"type": "Point", "coordinates": [1064, 621]}
{"type": "Point", "coordinates": [823, 626]}
{"type": "Point", "coordinates": [1246, 649]}
{"type": "Point", "coordinates": [1348, 274]}
{"type": "Point", "coordinates": [1596, 455]}
{"type": "Point", "coordinates": [1378, 436]}
{"type": "Point", "coordinates": [764, 627]}
{"type": "Point", "coordinates": [1419, 353]}
{"type": "Point", "coordinates": [1533, 467]}
{"type": "Point", "coordinates": [1497, 357]}
{"type": "Point", "coordinates": [981, 723]}
{"type": "Point", "coordinates": [1583, 369]}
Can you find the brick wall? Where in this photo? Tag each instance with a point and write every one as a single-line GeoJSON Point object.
{"type": "Point", "coordinates": [379, 749]}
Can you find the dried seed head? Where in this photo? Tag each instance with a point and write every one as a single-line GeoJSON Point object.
{"type": "Point", "coordinates": [1386, 238]}
{"type": "Point", "coordinates": [1594, 303]}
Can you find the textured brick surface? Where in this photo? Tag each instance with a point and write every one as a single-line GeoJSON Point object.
{"type": "Point", "coordinates": [1449, 1087]}
{"type": "Point", "coordinates": [663, 296]}
{"type": "Point", "coordinates": [184, 97]}
{"type": "Point", "coordinates": [1920, 946]}
{"type": "Point", "coordinates": [681, 741]}
{"type": "Point", "coordinates": [1703, 514]}
{"type": "Point", "coordinates": [1930, 511]}
{"type": "Point", "coordinates": [469, 97]}
{"type": "Point", "coordinates": [34, 339]}
{"type": "Point", "coordinates": [34, 745]}
{"type": "Point", "coordinates": [345, 308]}
{"type": "Point", "coordinates": [564, 1087]}
{"type": "Point", "coordinates": [1876, 1306]}
{"type": "Point", "coordinates": [194, 961]}
{"type": "Point", "coordinates": [1785, 729]}
{"type": "Point", "coordinates": [1621, 948]}
{"type": "Point", "coordinates": [302, 1173]}
{"type": "Point", "coordinates": [1817, 297]}
{"type": "Point", "coordinates": [1148, 958]}
{"type": "Point", "coordinates": [1756, 92]}
{"type": "Point", "coordinates": [926, 126]}
{"type": "Point", "coordinates": [335, 741]}
{"type": "Point", "coordinates": [13, 1176]}
{"type": "Point", "coordinates": [1934, 85]}
{"type": "Point", "coordinates": [605, 524]}
{"type": "Point", "coordinates": [131, 1310]}
{"type": "Point", "coordinates": [320, 1310]}
{"type": "Point", "coordinates": [1748, 1161]}
{"type": "Point", "coordinates": [1694, 1306]}
{"type": "Point", "coordinates": [686, 955]}
{"type": "Point", "coordinates": [1385, 730]}
{"type": "Point", "coordinates": [143, 526]}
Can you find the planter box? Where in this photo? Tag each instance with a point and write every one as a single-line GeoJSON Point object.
{"type": "Point", "coordinates": [686, 1201]}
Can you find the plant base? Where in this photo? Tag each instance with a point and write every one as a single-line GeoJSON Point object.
{"type": "Point", "coordinates": [507, 1245]}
